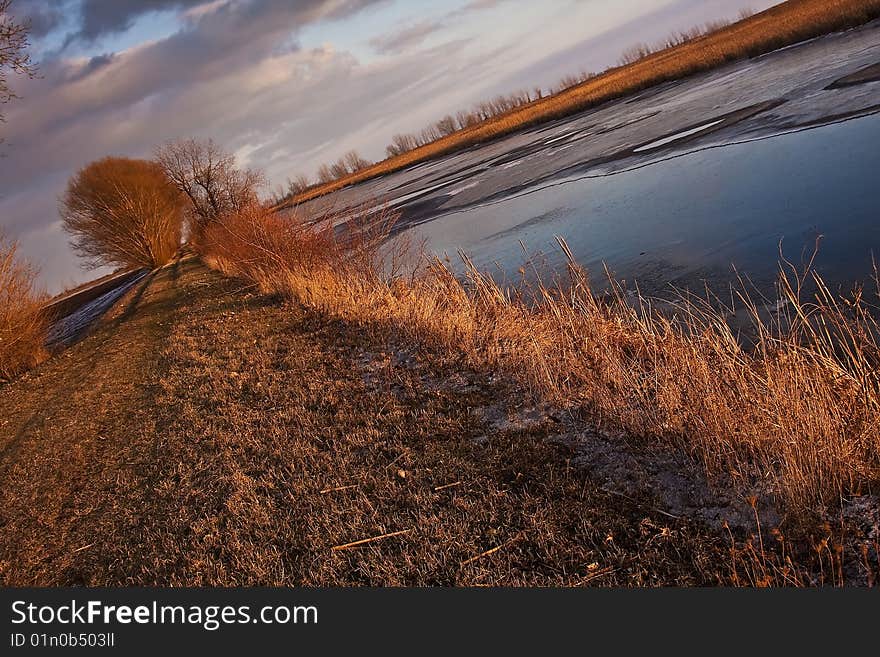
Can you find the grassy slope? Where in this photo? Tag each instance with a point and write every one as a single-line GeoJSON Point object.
{"type": "Point", "coordinates": [205, 434]}
{"type": "Point", "coordinates": [785, 24]}
{"type": "Point", "coordinates": [188, 439]}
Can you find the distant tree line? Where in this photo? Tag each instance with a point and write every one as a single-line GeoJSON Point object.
{"type": "Point", "coordinates": [570, 81]}
{"type": "Point", "coordinates": [450, 124]}
{"type": "Point", "coordinates": [641, 50]}
{"type": "Point", "coordinates": [352, 162]}
{"type": "Point", "coordinates": [346, 165]}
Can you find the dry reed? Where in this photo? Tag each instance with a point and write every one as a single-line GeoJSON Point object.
{"type": "Point", "coordinates": [22, 323]}
{"type": "Point", "coordinates": [799, 406]}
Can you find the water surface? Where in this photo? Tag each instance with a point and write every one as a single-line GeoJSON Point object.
{"type": "Point", "coordinates": [695, 216]}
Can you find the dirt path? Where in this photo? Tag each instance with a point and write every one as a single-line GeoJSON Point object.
{"type": "Point", "coordinates": [74, 436]}
{"type": "Point", "coordinates": [207, 435]}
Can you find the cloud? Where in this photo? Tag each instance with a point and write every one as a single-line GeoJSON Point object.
{"type": "Point", "coordinates": [477, 5]}
{"type": "Point", "coordinates": [233, 38]}
{"type": "Point", "coordinates": [404, 39]}
{"type": "Point", "coordinates": [41, 16]}
{"type": "Point", "coordinates": [414, 34]}
{"type": "Point", "coordinates": [286, 113]}
{"type": "Point", "coordinates": [103, 17]}
{"type": "Point", "coordinates": [100, 17]}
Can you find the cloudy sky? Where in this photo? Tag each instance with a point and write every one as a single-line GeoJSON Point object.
{"type": "Point", "coordinates": [285, 84]}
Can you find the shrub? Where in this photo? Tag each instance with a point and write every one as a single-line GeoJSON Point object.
{"type": "Point", "coordinates": [22, 323]}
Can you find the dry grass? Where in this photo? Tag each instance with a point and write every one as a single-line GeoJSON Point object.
{"type": "Point", "coordinates": [271, 470]}
{"type": "Point", "coordinates": [800, 407]}
{"type": "Point", "coordinates": [206, 434]}
{"type": "Point", "coordinates": [22, 323]}
{"type": "Point", "coordinates": [785, 24]}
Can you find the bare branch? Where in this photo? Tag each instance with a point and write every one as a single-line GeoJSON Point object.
{"type": "Point", "coordinates": [209, 179]}
{"type": "Point", "coordinates": [14, 58]}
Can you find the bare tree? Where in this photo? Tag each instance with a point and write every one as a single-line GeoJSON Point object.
{"type": "Point", "coordinates": [573, 80]}
{"type": "Point", "coordinates": [339, 169]}
{"type": "Point", "coordinates": [446, 126]}
{"type": "Point", "coordinates": [123, 212]}
{"type": "Point", "coordinates": [635, 53]}
{"type": "Point", "coordinates": [298, 185]}
{"type": "Point", "coordinates": [14, 58]}
{"type": "Point", "coordinates": [208, 177]}
{"type": "Point", "coordinates": [325, 174]}
{"type": "Point", "coordinates": [464, 119]}
{"type": "Point", "coordinates": [401, 143]}
{"type": "Point", "coordinates": [355, 162]}
{"type": "Point", "coordinates": [294, 187]}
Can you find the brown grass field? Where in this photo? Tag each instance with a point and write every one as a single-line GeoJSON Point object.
{"type": "Point", "coordinates": [207, 433]}
{"type": "Point", "coordinates": [800, 408]}
{"type": "Point", "coordinates": [783, 25]}
{"type": "Point", "coordinates": [315, 419]}
{"type": "Point", "coordinates": [22, 324]}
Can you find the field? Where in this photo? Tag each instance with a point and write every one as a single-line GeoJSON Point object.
{"type": "Point", "coordinates": [312, 419]}
{"type": "Point", "coordinates": [785, 24]}
{"type": "Point", "coordinates": [208, 433]}
{"type": "Point", "coordinates": [791, 417]}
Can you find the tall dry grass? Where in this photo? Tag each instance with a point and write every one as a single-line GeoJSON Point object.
{"type": "Point", "coordinates": [23, 325]}
{"type": "Point", "coordinates": [785, 24]}
{"type": "Point", "coordinates": [800, 405]}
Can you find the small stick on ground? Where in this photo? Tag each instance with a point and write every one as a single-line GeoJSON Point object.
{"type": "Point", "coordinates": [445, 486]}
{"type": "Point", "coordinates": [324, 491]}
{"type": "Point", "coordinates": [596, 575]}
{"type": "Point", "coordinates": [364, 541]}
{"type": "Point", "coordinates": [399, 456]}
{"type": "Point", "coordinates": [653, 508]}
{"type": "Point", "coordinates": [492, 551]}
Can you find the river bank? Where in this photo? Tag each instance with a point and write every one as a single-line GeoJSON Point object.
{"type": "Point", "coordinates": [209, 434]}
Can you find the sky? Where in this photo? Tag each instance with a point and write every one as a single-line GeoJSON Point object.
{"type": "Point", "coordinates": [284, 84]}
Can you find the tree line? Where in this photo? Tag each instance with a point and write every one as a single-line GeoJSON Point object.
{"type": "Point", "coordinates": [126, 212]}
{"type": "Point", "coordinates": [402, 143]}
